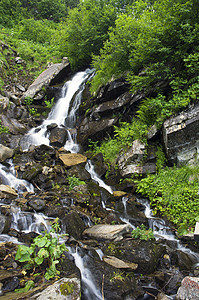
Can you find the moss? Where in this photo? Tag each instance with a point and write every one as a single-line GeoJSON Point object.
{"type": "Point", "coordinates": [67, 288]}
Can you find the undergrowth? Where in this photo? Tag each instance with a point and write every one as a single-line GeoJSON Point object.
{"type": "Point", "coordinates": [174, 192]}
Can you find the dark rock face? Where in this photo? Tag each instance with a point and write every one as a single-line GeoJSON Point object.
{"type": "Point", "coordinates": [73, 225]}
{"type": "Point", "coordinates": [146, 254]}
{"type": "Point", "coordinates": [181, 136]}
{"type": "Point", "coordinates": [58, 137]}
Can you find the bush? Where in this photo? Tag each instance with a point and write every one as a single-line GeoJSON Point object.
{"type": "Point", "coordinates": [142, 233]}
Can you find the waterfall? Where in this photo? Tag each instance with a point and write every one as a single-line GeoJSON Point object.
{"type": "Point", "coordinates": [61, 115]}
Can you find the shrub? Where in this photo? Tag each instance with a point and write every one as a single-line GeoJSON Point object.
{"type": "Point", "coordinates": [142, 233]}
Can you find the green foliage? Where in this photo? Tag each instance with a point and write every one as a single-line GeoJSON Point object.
{"type": "Point", "coordinates": [160, 159]}
{"type": "Point", "coordinates": [45, 250]}
{"type": "Point", "coordinates": [142, 233]}
{"type": "Point", "coordinates": [3, 129]}
{"type": "Point", "coordinates": [74, 181]}
{"type": "Point", "coordinates": [85, 30]}
{"type": "Point", "coordinates": [173, 192]}
{"type": "Point", "coordinates": [28, 286]}
{"type": "Point", "coordinates": [28, 100]}
{"type": "Point", "coordinates": [49, 104]}
{"type": "Point", "coordinates": [124, 135]}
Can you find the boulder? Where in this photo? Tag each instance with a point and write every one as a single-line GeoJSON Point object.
{"type": "Point", "coordinates": [89, 128]}
{"type": "Point", "coordinates": [14, 126]}
{"type": "Point", "coordinates": [118, 263]}
{"type": "Point", "coordinates": [107, 232]}
{"type": "Point", "coordinates": [54, 74]}
{"type": "Point", "coordinates": [63, 289]}
{"type": "Point", "coordinates": [7, 192]}
{"type": "Point", "coordinates": [181, 136]}
{"type": "Point", "coordinates": [73, 225]}
{"type": "Point", "coordinates": [146, 254]}
{"type": "Point", "coordinates": [58, 136]}
{"type": "Point", "coordinates": [37, 204]}
{"type": "Point", "coordinates": [129, 162]}
{"type": "Point", "coordinates": [5, 223]}
{"type": "Point", "coordinates": [73, 159]}
{"type": "Point", "coordinates": [79, 172]}
{"type": "Point", "coordinates": [5, 153]}
{"type": "Point", "coordinates": [189, 289]}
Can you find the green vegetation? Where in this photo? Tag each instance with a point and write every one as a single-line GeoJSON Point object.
{"type": "Point", "coordinates": [74, 181]}
{"type": "Point", "coordinates": [49, 103]}
{"type": "Point", "coordinates": [142, 233]}
{"type": "Point", "coordinates": [174, 193]}
{"type": "Point", "coordinates": [43, 253]}
{"type": "Point", "coordinates": [3, 129]}
{"type": "Point", "coordinates": [67, 288]}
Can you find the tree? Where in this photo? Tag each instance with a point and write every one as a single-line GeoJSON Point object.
{"type": "Point", "coordinates": [85, 30]}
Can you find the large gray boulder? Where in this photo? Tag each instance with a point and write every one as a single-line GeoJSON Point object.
{"type": "Point", "coordinates": [107, 232]}
{"type": "Point", "coordinates": [181, 136]}
{"type": "Point", "coordinates": [51, 75]}
{"type": "Point", "coordinates": [189, 289]}
{"type": "Point", "coordinates": [5, 153]}
{"type": "Point", "coordinates": [63, 289]}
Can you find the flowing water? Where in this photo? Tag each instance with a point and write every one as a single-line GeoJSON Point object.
{"type": "Point", "coordinates": [64, 114]}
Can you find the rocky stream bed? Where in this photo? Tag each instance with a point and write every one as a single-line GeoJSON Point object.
{"type": "Point", "coordinates": [103, 261]}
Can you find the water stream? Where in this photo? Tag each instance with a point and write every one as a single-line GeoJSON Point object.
{"type": "Point", "coordinates": [64, 114]}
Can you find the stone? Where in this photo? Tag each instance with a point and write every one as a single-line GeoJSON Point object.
{"type": "Point", "coordinates": [118, 263]}
{"type": "Point", "coordinates": [63, 289]}
{"type": "Point", "coordinates": [7, 192]}
{"type": "Point", "coordinates": [11, 284]}
{"type": "Point", "coordinates": [79, 172]}
{"type": "Point", "coordinates": [107, 232]}
{"type": "Point", "coordinates": [5, 153]}
{"type": "Point", "coordinates": [129, 162]}
{"type": "Point", "coordinates": [189, 289]}
{"type": "Point", "coordinates": [181, 136]}
{"type": "Point", "coordinates": [37, 204]}
{"type": "Point", "coordinates": [89, 128]}
{"type": "Point", "coordinates": [118, 194]}
{"type": "Point", "coordinates": [14, 126]}
{"type": "Point", "coordinates": [5, 223]}
{"type": "Point", "coordinates": [73, 159]}
{"type": "Point", "coordinates": [58, 137]}
{"type": "Point", "coordinates": [54, 74]}
{"type": "Point", "coordinates": [73, 225]}
{"type": "Point", "coordinates": [162, 296]}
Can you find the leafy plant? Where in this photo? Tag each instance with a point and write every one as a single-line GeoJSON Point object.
{"type": "Point", "coordinates": [142, 233]}
{"type": "Point", "coordinates": [173, 192]}
{"type": "Point", "coordinates": [74, 181]}
{"type": "Point", "coordinates": [28, 100]}
{"type": "Point", "coordinates": [49, 104]}
{"type": "Point", "coordinates": [3, 129]}
{"type": "Point", "coordinates": [45, 251]}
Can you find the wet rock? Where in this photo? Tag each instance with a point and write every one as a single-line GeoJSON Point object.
{"type": "Point", "coordinates": [100, 166]}
{"type": "Point", "coordinates": [89, 128]}
{"type": "Point", "coordinates": [43, 153]}
{"type": "Point", "coordinates": [11, 284]}
{"type": "Point", "coordinates": [73, 159]}
{"type": "Point", "coordinates": [162, 296]}
{"type": "Point", "coordinates": [184, 260]}
{"type": "Point", "coordinates": [118, 263]}
{"type": "Point", "coordinates": [6, 274]}
{"type": "Point", "coordinates": [119, 194]}
{"type": "Point", "coordinates": [107, 232]}
{"type": "Point", "coordinates": [55, 73]}
{"type": "Point", "coordinates": [27, 238]}
{"type": "Point", "coordinates": [37, 204]}
{"type": "Point", "coordinates": [58, 137]}
{"type": "Point", "coordinates": [73, 225]}
{"type": "Point", "coordinates": [181, 136]}
{"type": "Point", "coordinates": [146, 254]}
{"type": "Point", "coordinates": [32, 172]}
{"type": "Point", "coordinates": [7, 192]}
{"type": "Point", "coordinates": [63, 289]}
{"type": "Point", "coordinates": [5, 223]}
{"type": "Point", "coordinates": [79, 172]}
{"type": "Point", "coordinates": [129, 162]}
{"type": "Point", "coordinates": [5, 153]}
{"type": "Point", "coordinates": [189, 289]}
{"type": "Point", "coordinates": [14, 126]}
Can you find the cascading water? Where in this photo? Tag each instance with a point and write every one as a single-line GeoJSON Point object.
{"type": "Point", "coordinates": [61, 115]}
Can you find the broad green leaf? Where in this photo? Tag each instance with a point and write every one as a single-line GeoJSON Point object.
{"type": "Point", "coordinates": [29, 285]}
{"type": "Point", "coordinates": [43, 253]}
{"type": "Point", "coordinates": [39, 260]}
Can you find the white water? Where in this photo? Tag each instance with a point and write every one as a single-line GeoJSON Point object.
{"type": "Point", "coordinates": [90, 168]}
{"type": "Point", "coordinates": [161, 230]}
{"type": "Point", "coordinates": [8, 177]}
{"type": "Point", "coordinates": [60, 114]}
{"type": "Point", "coordinates": [90, 290]}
